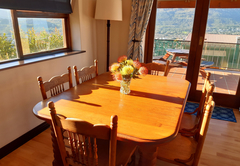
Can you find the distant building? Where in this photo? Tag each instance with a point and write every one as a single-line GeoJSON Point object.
{"type": "Point", "coordinates": [218, 38]}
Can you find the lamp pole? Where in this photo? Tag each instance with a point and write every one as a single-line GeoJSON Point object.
{"type": "Point", "coordinates": [108, 10]}
{"type": "Point", "coordinates": [108, 43]}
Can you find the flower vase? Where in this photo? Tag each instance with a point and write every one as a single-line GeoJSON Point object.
{"type": "Point", "coordinates": [125, 86]}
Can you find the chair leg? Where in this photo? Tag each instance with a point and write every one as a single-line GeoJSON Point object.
{"type": "Point", "coordinates": [132, 162]}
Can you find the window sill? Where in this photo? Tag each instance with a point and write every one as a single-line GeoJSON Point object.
{"type": "Point", "coordinates": [17, 63]}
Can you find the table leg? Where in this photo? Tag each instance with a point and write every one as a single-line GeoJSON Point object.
{"type": "Point", "coordinates": [57, 156]}
{"type": "Point", "coordinates": [148, 155]}
{"type": "Point", "coordinates": [173, 58]}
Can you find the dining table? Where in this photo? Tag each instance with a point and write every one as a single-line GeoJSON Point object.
{"type": "Point", "coordinates": [148, 117]}
{"type": "Point", "coordinates": [183, 54]}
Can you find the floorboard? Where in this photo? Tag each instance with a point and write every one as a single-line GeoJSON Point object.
{"type": "Point", "coordinates": [221, 147]}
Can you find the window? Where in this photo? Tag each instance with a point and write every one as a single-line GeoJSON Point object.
{"type": "Point", "coordinates": [7, 40]}
{"type": "Point", "coordinates": [28, 33]}
{"type": "Point", "coordinates": [41, 34]}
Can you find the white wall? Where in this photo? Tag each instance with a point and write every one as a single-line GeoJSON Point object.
{"type": "Point", "coordinates": [118, 37]}
{"type": "Point", "coordinates": [19, 90]}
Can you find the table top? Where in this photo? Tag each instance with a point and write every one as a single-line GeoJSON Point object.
{"type": "Point", "coordinates": [151, 113]}
{"type": "Point", "coordinates": [178, 51]}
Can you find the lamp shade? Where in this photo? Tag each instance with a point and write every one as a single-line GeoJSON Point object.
{"type": "Point", "coordinates": [109, 10]}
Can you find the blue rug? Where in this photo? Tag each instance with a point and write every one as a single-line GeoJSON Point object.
{"type": "Point", "coordinates": [220, 113]}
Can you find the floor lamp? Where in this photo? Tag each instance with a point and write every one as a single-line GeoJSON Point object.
{"type": "Point", "coordinates": [108, 10]}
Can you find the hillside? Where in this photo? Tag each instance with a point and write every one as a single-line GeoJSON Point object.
{"type": "Point", "coordinates": [170, 23]}
{"type": "Point", "coordinates": [25, 24]}
{"type": "Point", "coordinates": [177, 23]}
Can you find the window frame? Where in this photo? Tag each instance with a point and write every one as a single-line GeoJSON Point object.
{"type": "Point", "coordinates": [15, 14]}
{"type": "Point", "coordinates": [194, 63]}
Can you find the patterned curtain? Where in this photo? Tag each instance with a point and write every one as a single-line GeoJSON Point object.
{"type": "Point", "coordinates": [141, 10]}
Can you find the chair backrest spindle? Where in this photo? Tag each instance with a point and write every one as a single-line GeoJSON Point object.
{"type": "Point", "coordinates": [155, 68]}
{"type": "Point", "coordinates": [55, 85]}
{"type": "Point", "coordinates": [203, 129]}
{"type": "Point", "coordinates": [86, 73]}
{"type": "Point", "coordinates": [207, 90]}
{"type": "Point", "coordinates": [82, 137]}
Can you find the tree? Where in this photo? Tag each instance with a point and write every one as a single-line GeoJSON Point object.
{"type": "Point", "coordinates": [41, 41]}
{"type": "Point", "coordinates": [31, 42]}
{"type": "Point", "coordinates": [56, 39]}
{"type": "Point", "coordinates": [7, 48]}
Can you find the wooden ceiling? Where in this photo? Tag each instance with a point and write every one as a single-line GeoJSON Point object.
{"type": "Point", "coordinates": [191, 4]}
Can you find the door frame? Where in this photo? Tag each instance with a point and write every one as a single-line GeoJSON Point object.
{"type": "Point", "coordinates": [195, 52]}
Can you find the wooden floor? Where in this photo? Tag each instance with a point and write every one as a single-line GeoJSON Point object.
{"type": "Point", "coordinates": [221, 148]}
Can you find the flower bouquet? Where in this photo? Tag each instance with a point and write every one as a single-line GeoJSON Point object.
{"type": "Point", "coordinates": [125, 70]}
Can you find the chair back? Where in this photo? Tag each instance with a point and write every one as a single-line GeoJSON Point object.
{"type": "Point", "coordinates": [155, 68]}
{"type": "Point", "coordinates": [165, 57]}
{"type": "Point", "coordinates": [200, 138]}
{"type": "Point", "coordinates": [86, 73]}
{"type": "Point", "coordinates": [56, 84]}
{"type": "Point", "coordinates": [82, 137]}
{"type": "Point", "coordinates": [207, 91]}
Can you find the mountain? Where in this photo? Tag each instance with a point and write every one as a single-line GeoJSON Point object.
{"type": "Point", "coordinates": [177, 23]}
{"type": "Point", "coordinates": [170, 23]}
{"type": "Point", "coordinates": [25, 24]}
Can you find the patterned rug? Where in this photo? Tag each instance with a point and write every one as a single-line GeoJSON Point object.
{"type": "Point", "coordinates": [220, 113]}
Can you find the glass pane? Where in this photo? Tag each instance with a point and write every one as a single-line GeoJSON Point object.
{"type": "Point", "coordinates": [7, 41]}
{"type": "Point", "coordinates": [172, 29]}
{"type": "Point", "coordinates": [41, 34]}
{"type": "Point", "coordinates": [221, 50]}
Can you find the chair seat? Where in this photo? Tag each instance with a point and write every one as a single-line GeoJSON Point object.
{"type": "Point", "coordinates": [124, 152]}
{"type": "Point", "coordinates": [183, 147]}
{"type": "Point", "coordinates": [188, 121]}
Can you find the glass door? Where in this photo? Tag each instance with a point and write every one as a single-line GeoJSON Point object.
{"type": "Point", "coordinates": [220, 55]}
{"type": "Point", "coordinates": [172, 30]}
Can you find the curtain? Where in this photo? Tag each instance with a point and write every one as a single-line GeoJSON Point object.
{"type": "Point", "coordinates": [140, 13]}
{"type": "Point", "coordinates": [57, 6]}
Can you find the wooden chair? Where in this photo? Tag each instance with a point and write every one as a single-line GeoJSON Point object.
{"type": "Point", "coordinates": [156, 68]}
{"type": "Point", "coordinates": [56, 84]}
{"type": "Point", "coordinates": [206, 86]}
{"type": "Point", "coordinates": [165, 57]}
{"type": "Point", "coordinates": [190, 123]}
{"type": "Point", "coordinates": [86, 73]}
{"type": "Point", "coordinates": [187, 150]}
{"type": "Point", "coordinates": [88, 144]}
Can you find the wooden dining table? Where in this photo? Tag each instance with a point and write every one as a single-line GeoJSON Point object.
{"type": "Point", "coordinates": [184, 53]}
{"type": "Point", "coordinates": [148, 117]}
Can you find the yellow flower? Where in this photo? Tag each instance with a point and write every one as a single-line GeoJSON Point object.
{"type": "Point", "coordinates": [130, 62]}
{"type": "Point", "coordinates": [114, 67]}
{"type": "Point", "coordinates": [126, 70]}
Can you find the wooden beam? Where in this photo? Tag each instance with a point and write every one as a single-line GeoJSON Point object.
{"type": "Point", "coordinates": [191, 4]}
{"type": "Point", "coordinates": [150, 32]}
{"type": "Point", "coordinates": [25, 13]}
{"type": "Point", "coordinates": [225, 4]}
{"type": "Point", "coordinates": [176, 4]}
{"type": "Point", "coordinates": [196, 46]}
{"type": "Point", "coordinates": [67, 33]}
{"type": "Point", "coordinates": [17, 34]}
{"type": "Point", "coordinates": [238, 95]}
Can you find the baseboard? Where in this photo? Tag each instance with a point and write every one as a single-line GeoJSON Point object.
{"type": "Point", "coordinates": [22, 139]}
